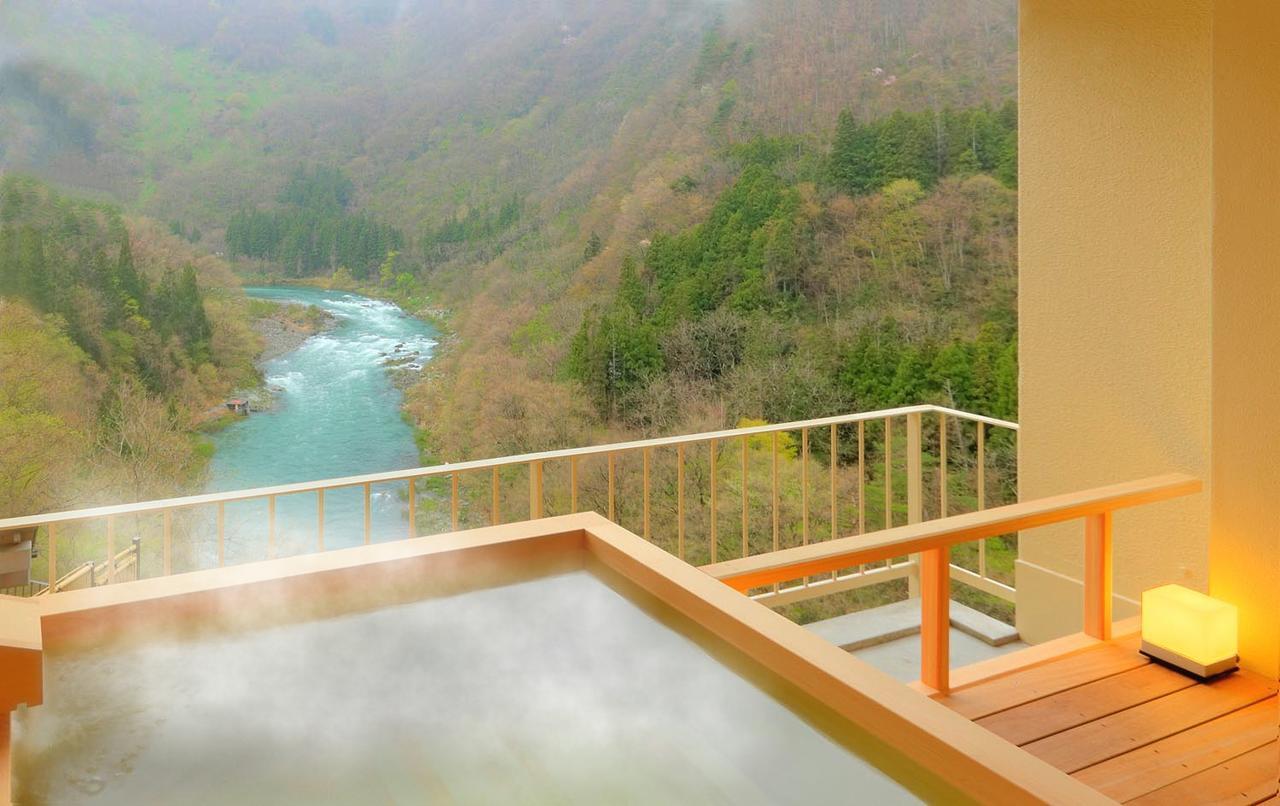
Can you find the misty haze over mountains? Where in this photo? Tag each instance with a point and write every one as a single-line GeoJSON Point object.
{"type": "Point", "coordinates": [629, 217]}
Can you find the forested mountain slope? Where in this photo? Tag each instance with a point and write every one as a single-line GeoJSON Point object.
{"type": "Point", "coordinates": [524, 153]}
{"type": "Point", "coordinates": [109, 351]}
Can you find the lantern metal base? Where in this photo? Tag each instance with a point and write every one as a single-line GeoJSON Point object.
{"type": "Point", "coordinates": [1200, 670]}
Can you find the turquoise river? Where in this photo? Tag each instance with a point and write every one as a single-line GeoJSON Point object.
{"type": "Point", "coordinates": [336, 412]}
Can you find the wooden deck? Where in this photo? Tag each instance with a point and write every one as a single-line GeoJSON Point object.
{"type": "Point", "coordinates": [1133, 729]}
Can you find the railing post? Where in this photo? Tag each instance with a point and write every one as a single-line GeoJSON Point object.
{"type": "Point", "coordinates": [714, 538]}
{"type": "Point", "coordinates": [271, 535]}
{"type": "Point", "coordinates": [746, 501]}
{"type": "Point", "coordinates": [862, 478]}
{"type": "Point", "coordinates": [645, 484]}
{"type": "Point", "coordinates": [804, 489]}
{"type": "Point", "coordinates": [111, 549]}
{"type": "Point", "coordinates": [1097, 576]}
{"type": "Point", "coordinates": [935, 618]}
{"type": "Point", "coordinates": [320, 519]}
{"type": "Point", "coordinates": [368, 513]}
{"type": "Point", "coordinates": [535, 490]}
{"type": "Point", "coordinates": [774, 512]}
{"type": "Point", "coordinates": [573, 483]}
{"type": "Point", "coordinates": [915, 493]}
{"type": "Point", "coordinates": [222, 531]}
{"type": "Point", "coordinates": [495, 517]}
{"type": "Point", "coordinates": [943, 504]}
{"type": "Point", "coordinates": [412, 500]}
{"type": "Point", "coordinates": [53, 553]}
{"type": "Point", "coordinates": [453, 505]}
{"type": "Point", "coordinates": [680, 501]}
{"type": "Point", "coordinates": [613, 477]}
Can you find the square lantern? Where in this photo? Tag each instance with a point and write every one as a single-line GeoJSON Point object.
{"type": "Point", "coordinates": [1189, 630]}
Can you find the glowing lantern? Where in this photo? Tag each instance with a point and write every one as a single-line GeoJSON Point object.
{"type": "Point", "coordinates": [1189, 630]}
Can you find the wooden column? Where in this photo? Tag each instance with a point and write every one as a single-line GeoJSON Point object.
{"type": "Point", "coordinates": [935, 618]}
{"type": "Point", "coordinates": [1097, 576]}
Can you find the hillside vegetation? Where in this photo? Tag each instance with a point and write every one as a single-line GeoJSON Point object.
{"type": "Point", "coordinates": [314, 232]}
{"type": "Point", "coordinates": [110, 350]}
{"type": "Point", "coordinates": [641, 217]}
{"type": "Point", "coordinates": [787, 299]}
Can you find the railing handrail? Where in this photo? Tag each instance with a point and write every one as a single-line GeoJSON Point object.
{"type": "Point", "coordinates": [816, 558]}
{"type": "Point", "coordinates": [182, 502]}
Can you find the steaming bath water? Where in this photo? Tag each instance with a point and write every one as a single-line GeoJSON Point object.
{"type": "Point", "coordinates": [336, 413]}
{"type": "Point", "coordinates": [553, 690]}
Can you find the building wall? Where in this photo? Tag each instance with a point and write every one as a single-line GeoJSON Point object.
{"type": "Point", "coordinates": [1150, 296]}
{"type": "Point", "coordinates": [1115, 246]}
{"type": "Point", "coordinates": [1245, 507]}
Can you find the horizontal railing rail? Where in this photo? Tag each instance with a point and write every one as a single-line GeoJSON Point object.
{"type": "Point", "coordinates": [728, 493]}
{"type": "Point", "coordinates": [933, 540]}
{"type": "Point", "coordinates": [183, 502]}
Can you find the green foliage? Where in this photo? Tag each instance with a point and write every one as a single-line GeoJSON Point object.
{"type": "Point", "coordinates": [314, 232]}
{"type": "Point", "coordinates": [882, 369]}
{"type": "Point", "coordinates": [685, 184]}
{"type": "Point", "coordinates": [179, 310]}
{"type": "Point", "coordinates": [614, 354]}
{"type": "Point", "coordinates": [593, 247]}
{"type": "Point", "coordinates": [766, 152]}
{"type": "Point", "coordinates": [46, 386]}
{"type": "Point", "coordinates": [73, 259]}
{"type": "Point", "coordinates": [178, 228]}
{"type": "Point", "coordinates": [924, 146]}
{"type": "Point", "coordinates": [475, 226]}
{"type": "Point", "coordinates": [780, 303]}
{"type": "Point", "coordinates": [715, 54]}
{"type": "Point", "coordinates": [730, 258]}
{"type": "Point", "coordinates": [741, 260]}
{"type": "Point", "coordinates": [322, 190]}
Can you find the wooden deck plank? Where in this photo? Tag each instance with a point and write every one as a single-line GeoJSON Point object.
{"type": "Point", "coordinates": [1083, 746]}
{"type": "Point", "coordinates": [1182, 755]}
{"type": "Point", "coordinates": [1245, 779]}
{"type": "Point", "coordinates": [1018, 688]}
{"type": "Point", "coordinates": [1067, 709]}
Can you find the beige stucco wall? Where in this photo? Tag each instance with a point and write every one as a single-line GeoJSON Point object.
{"type": "Point", "coordinates": [1245, 508]}
{"type": "Point", "coordinates": [1115, 299]}
{"type": "Point", "coordinates": [1150, 296]}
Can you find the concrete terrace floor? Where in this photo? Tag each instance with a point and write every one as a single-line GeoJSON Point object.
{"type": "Point", "coordinates": [888, 637]}
{"type": "Point", "coordinates": [901, 657]}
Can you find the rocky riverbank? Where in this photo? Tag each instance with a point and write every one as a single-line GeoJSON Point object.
{"type": "Point", "coordinates": [285, 328]}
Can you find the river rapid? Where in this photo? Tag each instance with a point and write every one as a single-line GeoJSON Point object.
{"type": "Point", "coordinates": [336, 413]}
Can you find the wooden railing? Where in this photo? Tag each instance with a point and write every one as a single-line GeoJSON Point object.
{"type": "Point", "coordinates": [710, 480]}
{"type": "Point", "coordinates": [933, 541]}
{"type": "Point", "coordinates": [126, 565]}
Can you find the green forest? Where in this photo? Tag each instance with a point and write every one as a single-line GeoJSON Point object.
{"type": "Point", "coordinates": [109, 352]}
{"type": "Point", "coordinates": [313, 231]}
{"type": "Point", "coordinates": [756, 287]}
{"type": "Point", "coordinates": [73, 260]}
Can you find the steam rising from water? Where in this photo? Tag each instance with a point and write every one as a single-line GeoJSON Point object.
{"type": "Point", "coordinates": [554, 690]}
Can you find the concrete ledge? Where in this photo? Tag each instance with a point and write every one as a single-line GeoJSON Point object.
{"type": "Point", "coordinates": [879, 625]}
{"type": "Point", "coordinates": [981, 626]}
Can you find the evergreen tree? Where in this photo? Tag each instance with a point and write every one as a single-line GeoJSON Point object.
{"type": "Point", "coordinates": [594, 245]}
